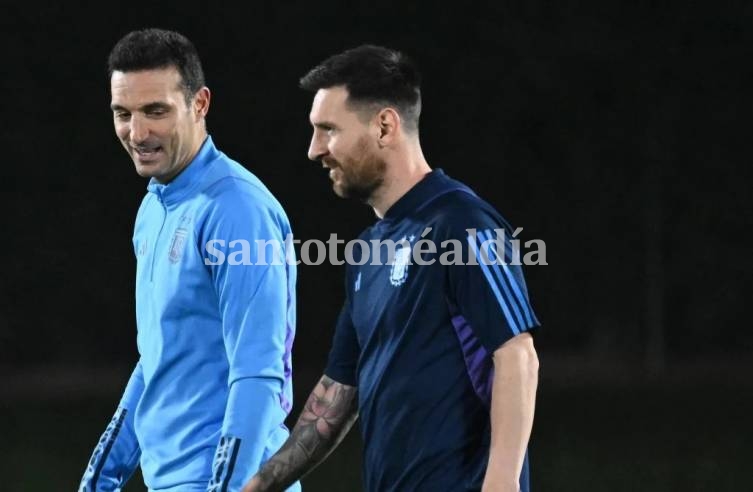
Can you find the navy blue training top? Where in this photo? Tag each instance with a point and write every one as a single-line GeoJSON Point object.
{"type": "Point", "coordinates": [417, 339]}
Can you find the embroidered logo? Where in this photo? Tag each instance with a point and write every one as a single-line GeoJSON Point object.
{"type": "Point", "coordinates": [399, 270]}
{"type": "Point", "coordinates": [177, 245]}
{"type": "Point", "coordinates": [142, 245]}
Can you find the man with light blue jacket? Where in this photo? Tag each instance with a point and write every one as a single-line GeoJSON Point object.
{"type": "Point", "coordinates": [206, 404]}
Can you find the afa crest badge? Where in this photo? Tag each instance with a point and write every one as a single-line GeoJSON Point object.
{"type": "Point", "coordinates": [177, 245]}
{"type": "Point", "coordinates": [399, 270]}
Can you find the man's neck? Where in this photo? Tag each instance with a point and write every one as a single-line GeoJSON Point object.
{"type": "Point", "coordinates": [194, 152]}
{"type": "Point", "coordinates": [401, 177]}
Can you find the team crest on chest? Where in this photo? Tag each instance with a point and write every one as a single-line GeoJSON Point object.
{"type": "Point", "coordinates": [177, 244]}
{"type": "Point", "coordinates": [399, 270]}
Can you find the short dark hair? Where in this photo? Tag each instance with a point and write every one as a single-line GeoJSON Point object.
{"type": "Point", "coordinates": [373, 75]}
{"type": "Point", "coordinates": [149, 49]}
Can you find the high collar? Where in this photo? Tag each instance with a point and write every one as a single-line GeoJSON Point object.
{"type": "Point", "coordinates": [177, 189]}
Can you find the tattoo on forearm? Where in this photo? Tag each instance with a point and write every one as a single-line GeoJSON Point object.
{"type": "Point", "coordinates": [329, 413]}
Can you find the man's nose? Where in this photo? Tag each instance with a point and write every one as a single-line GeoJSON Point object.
{"type": "Point", "coordinates": [139, 130]}
{"type": "Point", "coordinates": [317, 147]}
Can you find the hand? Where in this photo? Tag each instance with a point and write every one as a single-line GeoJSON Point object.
{"type": "Point", "coordinates": [491, 485]}
{"type": "Point", "coordinates": [253, 485]}
{"type": "Point", "coordinates": [490, 488]}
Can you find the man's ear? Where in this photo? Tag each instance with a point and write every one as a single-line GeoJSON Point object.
{"type": "Point", "coordinates": [201, 102]}
{"type": "Point", "coordinates": [388, 124]}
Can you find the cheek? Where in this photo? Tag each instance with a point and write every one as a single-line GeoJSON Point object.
{"type": "Point", "coordinates": [124, 139]}
{"type": "Point", "coordinates": [344, 150]}
{"type": "Point", "coordinates": [121, 131]}
{"type": "Point", "coordinates": [179, 132]}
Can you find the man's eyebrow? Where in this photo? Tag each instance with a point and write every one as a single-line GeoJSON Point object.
{"type": "Point", "coordinates": [145, 108]}
{"type": "Point", "coordinates": [153, 106]}
{"type": "Point", "coordinates": [324, 125]}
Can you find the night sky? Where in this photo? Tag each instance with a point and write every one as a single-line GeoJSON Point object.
{"type": "Point", "coordinates": [615, 133]}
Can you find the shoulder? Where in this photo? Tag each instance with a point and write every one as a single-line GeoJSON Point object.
{"type": "Point", "coordinates": [230, 186]}
{"type": "Point", "coordinates": [455, 212]}
{"type": "Point", "coordinates": [234, 201]}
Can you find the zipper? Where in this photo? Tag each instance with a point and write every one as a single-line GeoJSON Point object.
{"type": "Point", "coordinates": [156, 241]}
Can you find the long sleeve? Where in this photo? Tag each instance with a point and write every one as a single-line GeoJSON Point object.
{"type": "Point", "coordinates": [255, 304]}
{"type": "Point", "coordinates": [117, 453]}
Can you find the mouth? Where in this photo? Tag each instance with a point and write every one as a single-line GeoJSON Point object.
{"type": "Point", "coordinates": [146, 154]}
{"type": "Point", "coordinates": [332, 166]}
{"type": "Point", "coordinates": [328, 166]}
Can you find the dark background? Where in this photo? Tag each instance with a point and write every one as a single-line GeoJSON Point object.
{"type": "Point", "coordinates": [616, 133]}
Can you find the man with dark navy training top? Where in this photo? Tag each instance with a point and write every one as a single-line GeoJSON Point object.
{"type": "Point", "coordinates": [432, 350]}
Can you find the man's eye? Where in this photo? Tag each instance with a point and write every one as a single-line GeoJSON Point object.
{"type": "Point", "coordinates": [122, 115]}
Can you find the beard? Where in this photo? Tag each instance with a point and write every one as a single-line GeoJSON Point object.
{"type": "Point", "coordinates": [358, 177]}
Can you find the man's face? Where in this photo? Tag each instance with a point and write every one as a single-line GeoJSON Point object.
{"type": "Point", "coordinates": [345, 144]}
{"type": "Point", "coordinates": [158, 129]}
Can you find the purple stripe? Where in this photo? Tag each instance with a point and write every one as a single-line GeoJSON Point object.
{"type": "Point", "coordinates": [288, 367]}
{"type": "Point", "coordinates": [477, 361]}
{"type": "Point", "coordinates": [287, 362]}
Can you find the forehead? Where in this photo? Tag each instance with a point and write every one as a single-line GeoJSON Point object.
{"type": "Point", "coordinates": [133, 88]}
{"type": "Point", "coordinates": [331, 105]}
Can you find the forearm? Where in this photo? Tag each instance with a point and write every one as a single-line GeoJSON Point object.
{"type": "Point", "coordinates": [328, 415]}
{"type": "Point", "coordinates": [512, 411]}
{"type": "Point", "coordinates": [117, 453]}
{"type": "Point", "coordinates": [252, 412]}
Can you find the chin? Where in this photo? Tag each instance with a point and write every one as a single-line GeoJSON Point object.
{"type": "Point", "coordinates": [146, 171]}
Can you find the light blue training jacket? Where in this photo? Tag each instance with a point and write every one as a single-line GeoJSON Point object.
{"type": "Point", "coordinates": [206, 403]}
